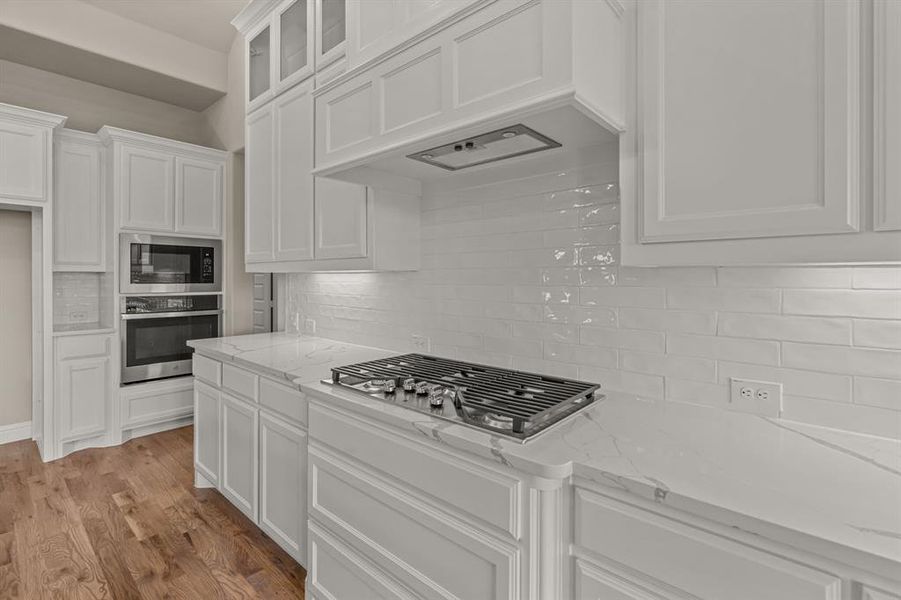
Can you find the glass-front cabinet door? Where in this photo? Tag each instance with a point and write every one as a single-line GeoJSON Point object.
{"type": "Point", "coordinates": [259, 69]}
{"type": "Point", "coordinates": [331, 29]}
{"type": "Point", "coordinates": [294, 23]}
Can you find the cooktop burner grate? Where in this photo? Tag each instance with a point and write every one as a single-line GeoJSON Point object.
{"type": "Point", "coordinates": [489, 397]}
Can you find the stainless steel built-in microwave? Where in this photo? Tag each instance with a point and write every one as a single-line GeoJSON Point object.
{"type": "Point", "coordinates": [151, 264]}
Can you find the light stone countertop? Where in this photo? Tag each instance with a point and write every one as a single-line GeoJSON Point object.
{"type": "Point", "coordinates": [766, 476]}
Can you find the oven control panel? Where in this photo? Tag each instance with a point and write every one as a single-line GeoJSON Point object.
{"type": "Point", "coordinates": [161, 304]}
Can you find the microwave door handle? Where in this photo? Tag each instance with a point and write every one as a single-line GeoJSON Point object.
{"type": "Point", "coordinates": [183, 313]}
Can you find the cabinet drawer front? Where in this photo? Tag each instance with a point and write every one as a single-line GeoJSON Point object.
{"type": "Point", "coordinates": [336, 571]}
{"type": "Point", "coordinates": [284, 400]}
{"type": "Point", "coordinates": [240, 381]}
{"type": "Point", "coordinates": [437, 557]}
{"type": "Point", "coordinates": [82, 346]}
{"type": "Point", "coordinates": [207, 369]}
{"type": "Point", "coordinates": [491, 497]}
{"type": "Point", "coordinates": [697, 562]}
{"type": "Point", "coordinates": [156, 406]}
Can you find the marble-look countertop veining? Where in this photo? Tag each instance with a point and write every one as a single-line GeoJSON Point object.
{"type": "Point", "coordinates": [767, 476]}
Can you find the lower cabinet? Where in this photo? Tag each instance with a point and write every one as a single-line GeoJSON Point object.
{"type": "Point", "coordinates": [206, 433]}
{"type": "Point", "coordinates": [240, 454]}
{"type": "Point", "coordinates": [254, 454]}
{"type": "Point", "coordinates": [635, 550]}
{"type": "Point", "coordinates": [283, 484]}
{"type": "Point", "coordinates": [83, 385]}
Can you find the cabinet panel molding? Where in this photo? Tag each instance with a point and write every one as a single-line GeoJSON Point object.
{"type": "Point", "coordinates": [240, 455]}
{"type": "Point", "coordinates": [737, 165]}
{"type": "Point", "coordinates": [887, 115]}
{"type": "Point", "coordinates": [146, 189]}
{"type": "Point", "coordinates": [198, 196]}
{"type": "Point", "coordinates": [206, 432]}
{"type": "Point", "coordinates": [283, 484]}
{"type": "Point", "coordinates": [79, 221]}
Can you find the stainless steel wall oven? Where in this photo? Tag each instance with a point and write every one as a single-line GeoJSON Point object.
{"type": "Point", "coordinates": [155, 331]}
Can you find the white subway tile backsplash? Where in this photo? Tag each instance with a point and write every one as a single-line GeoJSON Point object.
{"type": "Point", "coordinates": [668, 365]}
{"type": "Point", "coordinates": [668, 320]}
{"type": "Point", "coordinates": [632, 339]}
{"type": "Point", "coordinates": [526, 274]}
{"type": "Point", "coordinates": [735, 300]}
{"type": "Point", "coordinates": [877, 278]}
{"type": "Point", "coordinates": [723, 348]}
{"type": "Point", "coordinates": [840, 359]}
{"type": "Point", "coordinates": [873, 304]}
{"type": "Point", "coordinates": [777, 327]}
{"type": "Point", "coordinates": [885, 393]}
{"type": "Point", "coordinates": [877, 333]}
{"type": "Point", "coordinates": [784, 277]}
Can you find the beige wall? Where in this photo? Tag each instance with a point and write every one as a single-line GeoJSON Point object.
{"type": "Point", "coordinates": [15, 317]}
{"type": "Point", "coordinates": [89, 106]}
{"type": "Point", "coordinates": [225, 118]}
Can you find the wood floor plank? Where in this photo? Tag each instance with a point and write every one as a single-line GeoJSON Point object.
{"type": "Point", "coordinates": [126, 523]}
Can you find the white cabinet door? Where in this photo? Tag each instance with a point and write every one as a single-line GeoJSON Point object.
{"type": "Point", "coordinates": [23, 161]}
{"type": "Point", "coordinates": [83, 388]}
{"type": "Point", "coordinates": [294, 28]}
{"type": "Point", "coordinates": [146, 189]}
{"type": "Point", "coordinates": [887, 115]}
{"type": "Point", "coordinates": [198, 196]}
{"type": "Point", "coordinates": [240, 467]}
{"type": "Point", "coordinates": [258, 53]}
{"type": "Point", "coordinates": [259, 201]}
{"type": "Point", "coordinates": [283, 484]}
{"type": "Point", "coordinates": [331, 31]}
{"type": "Point", "coordinates": [79, 217]}
{"type": "Point", "coordinates": [206, 431]}
{"type": "Point", "coordinates": [294, 184]}
{"type": "Point", "coordinates": [757, 138]}
{"type": "Point", "coordinates": [340, 219]}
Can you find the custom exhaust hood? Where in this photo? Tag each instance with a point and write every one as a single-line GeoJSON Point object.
{"type": "Point", "coordinates": [506, 83]}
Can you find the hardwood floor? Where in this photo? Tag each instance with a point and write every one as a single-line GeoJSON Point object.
{"type": "Point", "coordinates": [126, 522]}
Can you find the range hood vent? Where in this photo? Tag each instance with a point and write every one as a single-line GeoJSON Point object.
{"type": "Point", "coordinates": [501, 144]}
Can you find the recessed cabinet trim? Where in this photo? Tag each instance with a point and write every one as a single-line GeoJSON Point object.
{"type": "Point", "coordinates": [887, 115]}
{"type": "Point", "coordinates": [141, 198]}
{"type": "Point", "coordinates": [79, 227]}
{"type": "Point", "coordinates": [199, 212]}
{"type": "Point", "coordinates": [666, 208]}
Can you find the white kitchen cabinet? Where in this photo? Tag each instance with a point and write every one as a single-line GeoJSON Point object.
{"type": "Point", "coordinates": [295, 222]}
{"type": "Point", "coordinates": [83, 385]}
{"type": "Point", "coordinates": [79, 225]}
{"type": "Point", "coordinates": [164, 185]}
{"type": "Point", "coordinates": [869, 593]}
{"type": "Point", "coordinates": [198, 196]}
{"type": "Point", "coordinates": [283, 484]}
{"type": "Point", "coordinates": [294, 26]}
{"type": "Point", "coordinates": [26, 154]}
{"type": "Point", "coordinates": [146, 190]}
{"type": "Point", "coordinates": [652, 550]}
{"type": "Point", "coordinates": [331, 31]}
{"type": "Point", "coordinates": [887, 115]}
{"type": "Point", "coordinates": [206, 432]}
{"type": "Point", "coordinates": [239, 476]}
{"type": "Point", "coordinates": [293, 226]}
{"type": "Point", "coordinates": [259, 46]}
{"type": "Point", "coordinates": [340, 219]}
{"type": "Point", "coordinates": [375, 27]}
{"type": "Point", "coordinates": [259, 199]}
{"type": "Point", "coordinates": [714, 171]}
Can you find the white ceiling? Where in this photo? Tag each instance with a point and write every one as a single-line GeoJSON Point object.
{"type": "Point", "coordinates": [203, 22]}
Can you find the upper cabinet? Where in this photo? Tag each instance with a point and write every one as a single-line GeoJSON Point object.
{"type": "Point", "coordinates": [79, 224]}
{"type": "Point", "coordinates": [552, 66]}
{"type": "Point", "coordinates": [26, 154]}
{"type": "Point", "coordinates": [753, 153]}
{"type": "Point", "coordinates": [295, 222]}
{"type": "Point", "coordinates": [279, 48]}
{"type": "Point", "coordinates": [166, 186]}
{"type": "Point", "coordinates": [331, 31]}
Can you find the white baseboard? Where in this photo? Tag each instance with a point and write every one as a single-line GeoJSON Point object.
{"type": "Point", "coordinates": [15, 432]}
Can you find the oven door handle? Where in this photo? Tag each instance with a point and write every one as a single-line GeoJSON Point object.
{"type": "Point", "coordinates": [183, 313]}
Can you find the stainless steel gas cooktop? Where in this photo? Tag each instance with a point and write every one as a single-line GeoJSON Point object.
{"type": "Point", "coordinates": [514, 404]}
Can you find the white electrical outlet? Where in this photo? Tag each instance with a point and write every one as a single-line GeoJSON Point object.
{"type": "Point", "coordinates": [756, 397]}
{"type": "Point", "coordinates": [421, 343]}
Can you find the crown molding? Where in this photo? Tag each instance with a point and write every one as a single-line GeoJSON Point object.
{"type": "Point", "coordinates": [109, 134]}
{"type": "Point", "coordinates": [253, 14]}
{"type": "Point", "coordinates": [31, 116]}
